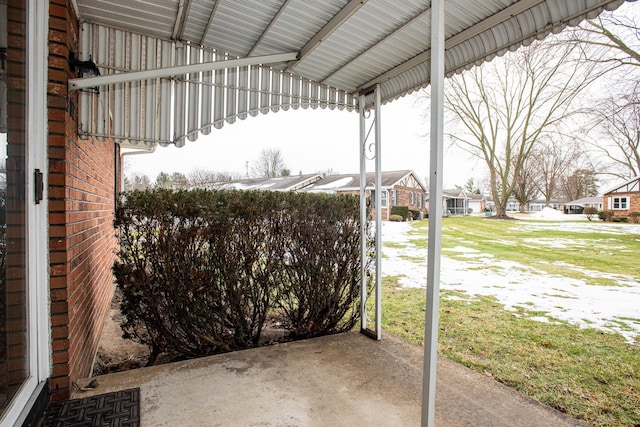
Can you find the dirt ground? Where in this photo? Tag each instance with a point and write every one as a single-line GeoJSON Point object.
{"type": "Point", "coordinates": [117, 354]}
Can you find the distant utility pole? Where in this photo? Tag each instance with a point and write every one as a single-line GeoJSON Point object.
{"type": "Point", "coordinates": [246, 166]}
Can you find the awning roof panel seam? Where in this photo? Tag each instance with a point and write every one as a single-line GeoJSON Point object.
{"type": "Point", "coordinates": [370, 63]}
{"type": "Point", "coordinates": [405, 41]}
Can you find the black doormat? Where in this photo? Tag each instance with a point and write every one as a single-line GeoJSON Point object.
{"type": "Point", "coordinates": [117, 409]}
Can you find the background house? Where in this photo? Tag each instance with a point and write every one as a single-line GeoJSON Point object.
{"type": "Point", "coordinates": [533, 206]}
{"type": "Point", "coordinates": [577, 206]}
{"type": "Point", "coordinates": [399, 188]}
{"type": "Point", "coordinates": [538, 204]}
{"type": "Point", "coordinates": [457, 202]}
{"type": "Point", "coordinates": [477, 203]}
{"type": "Point", "coordinates": [623, 199]}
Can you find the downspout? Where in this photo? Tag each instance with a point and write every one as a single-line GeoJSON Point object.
{"type": "Point", "coordinates": [150, 150]}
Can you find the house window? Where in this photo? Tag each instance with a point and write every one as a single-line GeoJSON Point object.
{"type": "Point", "coordinates": [383, 198]}
{"type": "Point", "coordinates": [419, 201]}
{"type": "Point", "coordinates": [412, 199]}
{"type": "Point", "coordinates": [621, 203]}
{"type": "Point", "coordinates": [394, 198]}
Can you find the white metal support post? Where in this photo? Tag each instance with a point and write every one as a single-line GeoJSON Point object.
{"type": "Point", "coordinates": [377, 200]}
{"type": "Point", "coordinates": [378, 185]}
{"type": "Point", "coordinates": [363, 214]}
{"type": "Point", "coordinates": [435, 214]}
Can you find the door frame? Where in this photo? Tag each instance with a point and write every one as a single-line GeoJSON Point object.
{"type": "Point", "coordinates": [37, 256]}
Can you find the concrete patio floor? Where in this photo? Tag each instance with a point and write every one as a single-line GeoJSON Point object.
{"type": "Point", "coordinates": [340, 380]}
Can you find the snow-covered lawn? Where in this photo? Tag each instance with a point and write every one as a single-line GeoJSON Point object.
{"type": "Point", "coordinates": [610, 308]}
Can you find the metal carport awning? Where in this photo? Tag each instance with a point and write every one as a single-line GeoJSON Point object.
{"type": "Point", "coordinates": [154, 91]}
{"type": "Point", "coordinates": [350, 54]}
{"type": "Point", "coordinates": [343, 48]}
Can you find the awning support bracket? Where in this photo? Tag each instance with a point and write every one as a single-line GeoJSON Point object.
{"type": "Point", "coordinates": [90, 82]}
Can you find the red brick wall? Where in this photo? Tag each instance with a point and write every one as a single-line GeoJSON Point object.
{"type": "Point", "coordinates": [81, 204]}
{"type": "Point", "coordinates": [404, 199]}
{"type": "Point", "coordinates": [634, 204]}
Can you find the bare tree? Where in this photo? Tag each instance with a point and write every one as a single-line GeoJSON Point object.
{"type": "Point", "coordinates": [137, 182]}
{"type": "Point", "coordinates": [613, 39]}
{"type": "Point", "coordinates": [525, 190]}
{"type": "Point", "coordinates": [616, 135]}
{"type": "Point", "coordinates": [269, 165]}
{"type": "Point", "coordinates": [505, 107]}
{"type": "Point", "coordinates": [202, 178]}
{"type": "Point", "coordinates": [550, 161]}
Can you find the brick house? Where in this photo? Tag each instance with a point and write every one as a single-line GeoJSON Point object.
{"type": "Point", "coordinates": [624, 199]}
{"type": "Point", "coordinates": [399, 188]}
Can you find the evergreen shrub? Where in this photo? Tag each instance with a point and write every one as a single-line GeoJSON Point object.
{"type": "Point", "coordinates": [201, 271]}
{"type": "Point", "coordinates": [415, 214]}
{"type": "Point", "coordinates": [403, 211]}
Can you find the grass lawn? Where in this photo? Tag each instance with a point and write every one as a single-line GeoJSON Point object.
{"type": "Point", "coordinates": [549, 246]}
{"type": "Point", "coordinates": [590, 375]}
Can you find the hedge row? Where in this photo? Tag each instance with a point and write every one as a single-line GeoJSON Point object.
{"type": "Point", "coordinates": [202, 271]}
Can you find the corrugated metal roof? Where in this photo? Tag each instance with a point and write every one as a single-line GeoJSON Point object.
{"type": "Point", "coordinates": [351, 182]}
{"type": "Point", "coordinates": [350, 45]}
{"type": "Point", "coordinates": [281, 183]}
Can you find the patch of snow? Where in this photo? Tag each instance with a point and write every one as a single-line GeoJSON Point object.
{"type": "Point", "coordinates": [515, 285]}
{"type": "Point", "coordinates": [585, 227]}
{"type": "Point", "coordinates": [540, 319]}
{"type": "Point", "coordinates": [464, 250]}
{"type": "Point", "coordinates": [548, 213]}
{"type": "Point", "coordinates": [335, 184]}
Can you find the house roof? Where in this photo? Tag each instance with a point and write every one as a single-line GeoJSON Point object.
{"type": "Point", "coordinates": [474, 196]}
{"type": "Point", "coordinates": [328, 53]}
{"type": "Point", "coordinates": [631, 185]}
{"type": "Point", "coordinates": [281, 183]}
{"type": "Point", "coordinates": [455, 193]}
{"type": "Point", "coordinates": [585, 201]}
{"type": "Point", "coordinates": [351, 182]}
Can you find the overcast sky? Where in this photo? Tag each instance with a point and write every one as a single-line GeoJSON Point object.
{"type": "Point", "coordinates": [313, 140]}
